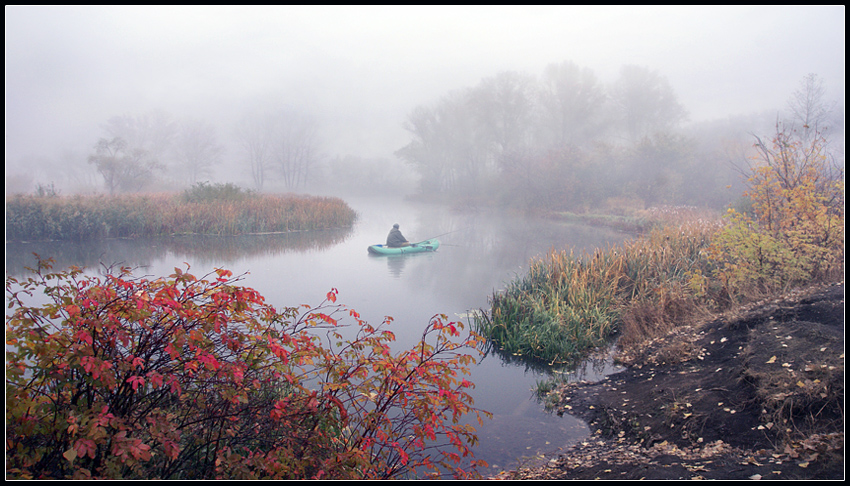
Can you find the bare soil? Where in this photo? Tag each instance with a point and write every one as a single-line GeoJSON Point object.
{"type": "Point", "coordinates": [755, 394]}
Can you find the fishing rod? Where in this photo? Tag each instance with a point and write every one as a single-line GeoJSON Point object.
{"type": "Point", "coordinates": [432, 238]}
{"type": "Point", "coordinates": [444, 234]}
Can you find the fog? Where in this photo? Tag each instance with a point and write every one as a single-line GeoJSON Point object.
{"type": "Point", "coordinates": [358, 72]}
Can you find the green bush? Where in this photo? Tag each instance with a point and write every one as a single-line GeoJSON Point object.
{"type": "Point", "coordinates": [205, 192]}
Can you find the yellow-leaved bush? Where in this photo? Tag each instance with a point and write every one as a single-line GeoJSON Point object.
{"type": "Point", "coordinates": [795, 232]}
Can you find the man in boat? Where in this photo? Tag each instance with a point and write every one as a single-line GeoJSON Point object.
{"type": "Point", "coordinates": [395, 239]}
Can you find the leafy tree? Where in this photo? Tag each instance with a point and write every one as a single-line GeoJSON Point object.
{"type": "Point", "coordinates": [152, 133]}
{"type": "Point", "coordinates": [504, 110]}
{"type": "Point", "coordinates": [468, 154]}
{"type": "Point", "coordinates": [122, 167]}
{"type": "Point", "coordinates": [470, 135]}
{"type": "Point", "coordinates": [655, 167]}
{"type": "Point", "coordinates": [645, 102]}
{"type": "Point", "coordinates": [571, 102]}
{"type": "Point", "coordinates": [187, 378]}
{"type": "Point", "coordinates": [444, 150]}
{"type": "Point", "coordinates": [422, 151]}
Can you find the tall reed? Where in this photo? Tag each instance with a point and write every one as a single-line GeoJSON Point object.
{"type": "Point", "coordinates": [80, 218]}
{"type": "Point", "coordinates": [566, 305]}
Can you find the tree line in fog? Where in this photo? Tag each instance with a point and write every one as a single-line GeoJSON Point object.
{"type": "Point", "coordinates": [137, 150]}
{"type": "Point", "coordinates": [566, 141]}
{"type": "Point", "coordinates": [563, 140]}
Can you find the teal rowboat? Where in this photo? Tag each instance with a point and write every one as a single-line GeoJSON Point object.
{"type": "Point", "coordinates": [427, 245]}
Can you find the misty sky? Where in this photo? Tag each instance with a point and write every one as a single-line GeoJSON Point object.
{"type": "Point", "coordinates": [362, 69]}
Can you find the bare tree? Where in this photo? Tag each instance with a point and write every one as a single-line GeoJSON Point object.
{"type": "Point", "coordinates": [254, 134]}
{"type": "Point", "coordinates": [295, 149]}
{"type": "Point", "coordinates": [283, 144]}
{"type": "Point", "coordinates": [809, 108]}
{"type": "Point", "coordinates": [197, 149]}
{"type": "Point", "coordinates": [793, 162]}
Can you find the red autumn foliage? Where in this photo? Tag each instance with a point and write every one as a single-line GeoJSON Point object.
{"type": "Point", "coordinates": [188, 378]}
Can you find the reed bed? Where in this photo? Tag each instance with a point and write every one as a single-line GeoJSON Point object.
{"type": "Point", "coordinates": [683, 269]}
{"type": "Point", "coordinates": [566, 305]}
{"type": "Point", "coordinates": [79, 218]}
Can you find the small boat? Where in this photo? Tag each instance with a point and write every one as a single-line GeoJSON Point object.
{"type": "Point", "coordinates": [427, 245]}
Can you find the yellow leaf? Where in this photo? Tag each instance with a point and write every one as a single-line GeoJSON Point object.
{"type": "Point", "coordinates": [771, 360]}
{"type": "Point", "coordinates": [70, 454]}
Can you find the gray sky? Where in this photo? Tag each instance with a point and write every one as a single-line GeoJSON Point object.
{"type": "Point", "coordinates": [362, 69]}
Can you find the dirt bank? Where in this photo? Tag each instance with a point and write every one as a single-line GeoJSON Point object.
{"type": "Point", "coordinates": [758, 394]}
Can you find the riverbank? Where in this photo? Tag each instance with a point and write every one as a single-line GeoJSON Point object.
{"type": "Point", "coordinates": [753, 394]}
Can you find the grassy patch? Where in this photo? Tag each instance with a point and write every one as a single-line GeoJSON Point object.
{"type": "Point", "coordinates": [567, 305]}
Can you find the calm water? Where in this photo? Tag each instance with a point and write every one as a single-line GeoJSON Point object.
{"type": "Point", "coordinates": [480, 254]}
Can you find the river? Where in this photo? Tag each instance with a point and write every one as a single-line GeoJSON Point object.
{"type": "Point", "coordinates": [480, 252]}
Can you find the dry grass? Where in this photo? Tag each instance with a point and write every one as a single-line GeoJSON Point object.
{"type": "Point", "coordinates": [83, 218]}
{"type": "Point", "coordinates": [567, 305]}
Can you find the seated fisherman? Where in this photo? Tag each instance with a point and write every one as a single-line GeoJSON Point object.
{"type": "Point", "coordinates": [395, 239]}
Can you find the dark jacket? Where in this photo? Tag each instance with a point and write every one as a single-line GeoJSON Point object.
{"type": "Point", "coordinates": [396, 239]}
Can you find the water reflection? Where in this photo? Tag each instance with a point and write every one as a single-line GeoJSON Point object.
{"type": "Point", "coordinates": [200, 251]}
{"type": "Point", "coordinates": [591, 368]}
{"type": "Point", "coordinates": [397, 263]}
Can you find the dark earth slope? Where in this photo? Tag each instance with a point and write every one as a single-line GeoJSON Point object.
{"type": "Point", "coordinates": [758, 394]}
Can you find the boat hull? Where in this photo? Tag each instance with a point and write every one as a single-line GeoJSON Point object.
{"type": "Point", "coordinates": [422, 246]}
